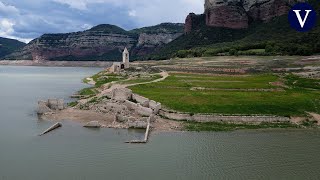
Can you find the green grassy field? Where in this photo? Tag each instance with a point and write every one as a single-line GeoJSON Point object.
{"type": "Point", "coordinates": [176, 93]}
{"type": "Point", "coordinates": [219, 126]}
{"type": "Point", "coordinates": [102, 78]}
{"type": "Point", "coordinates": [87, 92]}
{"type": "Point", "coordinates": [141, 79]}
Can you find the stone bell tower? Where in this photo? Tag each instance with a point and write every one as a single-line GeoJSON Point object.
{"type": "Point", "coordinates": [125, 58]}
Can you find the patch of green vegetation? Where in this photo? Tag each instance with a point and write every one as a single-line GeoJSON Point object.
{"type": "Point", "coordinates": [104, 78]}
{"type": "Point", "coordinates": [87, 92]}
{"type": "Point", "coordinates": [8, 46]}
{"type": "Point", "coordinates": [220, 82]}
{"type": "Point", "coordinates": [161, 28]}
{"type": "Point", "coordinates": [141, 79]}
{"type": "Point", "coordinates": [302, 83]}
{"type": "Point", "coordinates": [309, 123]}
{"type": "Point", "coordinates": [73, 104]}
{"type": "Point", "coordinates": [85, 80]}
{"type": "Point", "coordinates": [253, 52]}
{"type": "Point", "coordinates": [108, 28]}
{"type": "Point", "coordinates": [94, 100]}
{"type": "Point", "coordinates": [221, 126]}
{"type": "Point", "coordinates": [176, 93]}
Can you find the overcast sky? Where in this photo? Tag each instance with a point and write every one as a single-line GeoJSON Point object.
{"type": "Point", "coordinates": [27, 19]}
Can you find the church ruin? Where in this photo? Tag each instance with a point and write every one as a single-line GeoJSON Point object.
{"type": "Point", "coordinates": [125, 64]}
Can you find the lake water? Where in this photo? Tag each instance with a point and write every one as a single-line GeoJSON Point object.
{"type": "Point", "coordinates": [73, 152]}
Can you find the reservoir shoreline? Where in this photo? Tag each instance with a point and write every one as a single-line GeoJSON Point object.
{"type": "Point", "coordinates": [103, 64]}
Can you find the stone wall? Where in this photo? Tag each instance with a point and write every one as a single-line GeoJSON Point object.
{"type": "Point", "coordinates": [121, 94]}
{"type": "Point", "coordinates": [219, 118]}
{"type": "Point", "coordinates": [141, 100]}
{"type": "Point", "coordinates": [141, 110]}
{"type": "Point", "coordinates": [155, 106]}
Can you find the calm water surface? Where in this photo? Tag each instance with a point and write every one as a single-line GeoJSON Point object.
{"type": "Point", "coordinates": [73, 152]}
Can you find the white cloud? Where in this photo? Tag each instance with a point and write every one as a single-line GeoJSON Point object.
{"type": "Point", "coordinates": [6, 27]}
{"type": "Point", "coordinates": [29, 19]}
{"type": "Point", "coordinates": [86, 26]}
{"type": "Point", "coordinates": [83, 4]}
{"type": "Point", "coordinates": [132, 13]}
{"type": "Point", "coordinates": [8, 9]}
{"type": "Point", "coordinates": [147, 12]}
{"type": "Point", "coordinates": [7, 30]}
{"type": "Point", "coordinates": [76, 4]}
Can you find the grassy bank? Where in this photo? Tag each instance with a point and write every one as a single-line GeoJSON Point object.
{"type": "Point", "coordinates": [217, 126]}
{"type": "Point", "coordinates": [230, 95]}
{"type": "Point", "coordinates": [224, 126]}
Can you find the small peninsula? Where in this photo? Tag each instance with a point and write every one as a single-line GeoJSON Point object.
{"type": "Point", "coordinates": [200, 94]}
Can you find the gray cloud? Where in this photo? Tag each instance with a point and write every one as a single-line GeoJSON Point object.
{"type": "Point", "coordinates": [25, 20]}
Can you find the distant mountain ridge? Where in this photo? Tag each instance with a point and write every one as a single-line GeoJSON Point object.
{"type": "Point", "coordinates": [103, 42]}
{"type": "Point", "coordinates": [8, 46]}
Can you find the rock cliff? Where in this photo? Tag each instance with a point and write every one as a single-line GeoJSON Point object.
{"type": "Point", "coordinates": [153, 38]}
{"type": "Point", "coordinates": [103, 42]}
{"type": "Point", "coordinates": [238, 14]}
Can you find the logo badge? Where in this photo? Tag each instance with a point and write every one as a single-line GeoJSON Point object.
{"type": "Point", "coordinates": [302, 17]}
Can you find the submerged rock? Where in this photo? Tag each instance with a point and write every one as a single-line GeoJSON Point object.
{"type": "Point", "coordinates": [93, 124]}
{"type": "Point", "coordinates": [56, 104]}
{"type": "Point", "coordinates": [43, 108]}
{"type": "Point", "coordinates": [50, 105]}
{"type": "Point", "coordinates": [138, 125]}
{"type": "Point", "coordinates": [120, 118]}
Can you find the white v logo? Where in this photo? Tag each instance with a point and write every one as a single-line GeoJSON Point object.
{"type": "Point", "coordinates": [302, 22]}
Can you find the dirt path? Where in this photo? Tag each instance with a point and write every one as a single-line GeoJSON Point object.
{"type": "Point", "coordinates": [164, 75]}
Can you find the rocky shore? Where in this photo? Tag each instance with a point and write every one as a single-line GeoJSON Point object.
{"type": "Point", "coordinates": [114, 106]}
{"type": "Point", "coordinates": [119, 109]}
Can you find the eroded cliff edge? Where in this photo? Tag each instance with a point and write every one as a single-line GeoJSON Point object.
{"type": "Point", "coordinates": [238, 14]}
{"type": "Point", "coordinates": [102, 42]}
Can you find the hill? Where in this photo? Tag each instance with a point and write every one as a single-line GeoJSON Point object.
{"type": "Point", "coordinates": [8, 46]}
{"type": "Point", "coordinates": [104, 42]}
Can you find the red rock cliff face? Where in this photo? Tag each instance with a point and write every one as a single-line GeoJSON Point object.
{"type": "Point", "coordinates": [265, 11]}
{"type": "Point", "coordinates": [232, 16]}
{"type": "Point", "coordinates": [236, 14]}
{"type": "Point", "coordinates": [194, 22]}
{"type": "Point", "coordinates": [188, 23]}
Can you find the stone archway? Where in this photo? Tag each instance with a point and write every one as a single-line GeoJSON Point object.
{"type": "Point", "coordinates": [122, 66]}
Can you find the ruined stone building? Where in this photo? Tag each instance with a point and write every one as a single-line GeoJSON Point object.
{"type": "Point", "coordinates": [125, 64]}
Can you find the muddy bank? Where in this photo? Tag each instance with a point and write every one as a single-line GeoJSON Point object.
{"type": "Point", "coordinates": [108, 121]}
